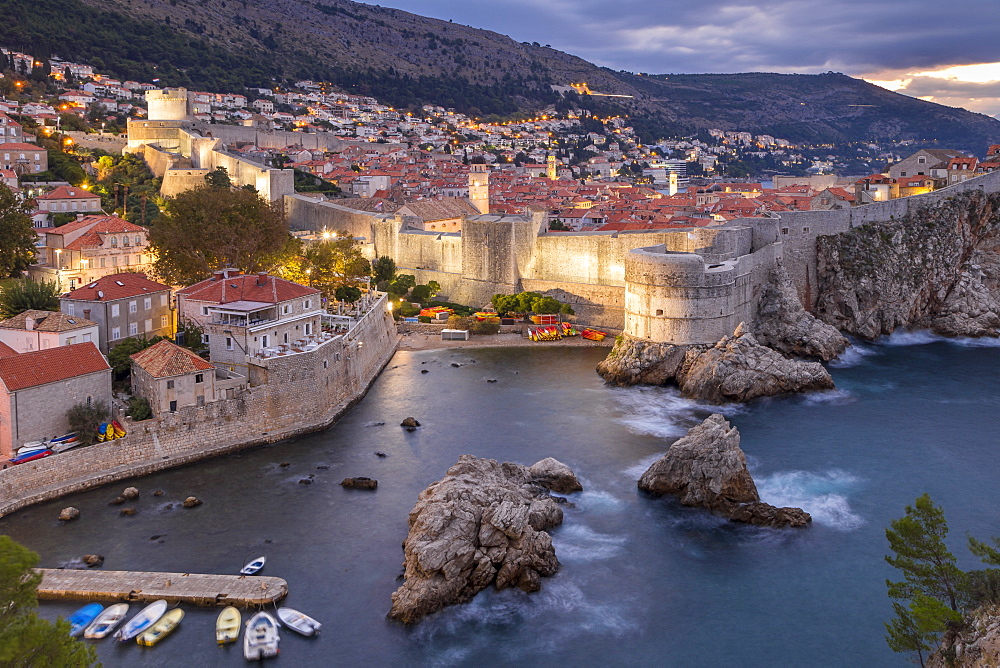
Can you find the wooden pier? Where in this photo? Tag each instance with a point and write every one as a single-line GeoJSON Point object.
{"type": "Point", "coordinates": [197, 588]}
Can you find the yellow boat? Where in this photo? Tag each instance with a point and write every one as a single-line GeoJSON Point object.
{"type": "Point", "coordinates": [227, 626]}
{"type": "Point", "coordinates": [162, 628]}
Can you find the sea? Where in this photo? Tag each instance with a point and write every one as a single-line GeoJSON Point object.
{"type": "Point", "coordinates": [644, 581]}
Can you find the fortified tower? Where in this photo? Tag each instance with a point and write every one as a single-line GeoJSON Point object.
{"type": "Point", "coordinates": [169, 104]}
{"type": "Point", "coordinates": [479, 187]}
{"type": "Point", "coordinates": [551, 163]}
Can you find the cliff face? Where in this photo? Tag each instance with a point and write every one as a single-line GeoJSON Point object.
{"type": "Point", "coordinates": [976, 646]}
{"type": "Point", "coordinates": [937, 269]}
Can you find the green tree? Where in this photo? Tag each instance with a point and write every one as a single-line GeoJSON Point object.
{"type": "Point", "coordinates": [84, 419]}
{"type": "Point", "coordinates": [348, 293]}
{"type": "Point", "coordinates": [25, 639]}
{"type": "Point", "coordinates": [218, 178]}
{"type": "Point", "coordinates": [24, 294]}
{"type": "Point", "coordinates": [336, 262]}
{"type": "Point", "coordinates": [210, 228]}
{"type": "Point", "coordinates": [420, 293]}
{"type": "Point", "coordinates": [926, 599]}
{"type": "Point", "coordinates": [989, 555]}
{"type": "Point", "coordinates": [918, 543]}
{"type": "Point", "coordinates": [17, 238]}
{"type": "Point", "coordinates": [383, 269]}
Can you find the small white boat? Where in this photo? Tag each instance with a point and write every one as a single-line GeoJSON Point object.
{"type": "Point", "coordinates": [62, 446]}
{"type": "Point", "coordinates": [34, 446]}
{"type": "Point", "coordinates": [161, 629]}
{"type": "Point", "coordinates": [106, 622]}
{"type": "Point", "coordinates": [254, 566]}
{"type": "Point", "coordinates": [142, 621]}
{"type": "Point", "coordinates": [261, 638]}
{"type": "Point", "coordinates": [299, 621]}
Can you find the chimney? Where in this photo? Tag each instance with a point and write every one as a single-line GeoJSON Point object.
{"type": "Point", "coordinates": [261, 278]}
{"type": "Point", "coordinates": [29, 323]}
{"type": "Point", "coordinates": [216, 275]}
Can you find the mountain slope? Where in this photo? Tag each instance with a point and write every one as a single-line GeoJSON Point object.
{"type": "Point", "coordinates": [405, 59]}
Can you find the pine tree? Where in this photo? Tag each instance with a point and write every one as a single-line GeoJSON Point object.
{"type": "Point", "coordinates": [17, 238]}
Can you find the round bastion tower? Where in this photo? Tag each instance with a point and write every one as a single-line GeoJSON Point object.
{"type": "Point", "coordinates": [169, 104]}
{"type": "Point", "coordinates": [673, 297]}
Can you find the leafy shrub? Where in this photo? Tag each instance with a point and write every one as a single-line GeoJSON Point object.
{"type": "Point", "coordinates": [458, 322]}
{"type": "Point", "coordinates": [139, 409]}
{"type": "Point", "coordinates": [484, 327]}
{"type": "Point", "coordinates": [424, 318]}
{"type": "Point", "coordinates": [84, 419]}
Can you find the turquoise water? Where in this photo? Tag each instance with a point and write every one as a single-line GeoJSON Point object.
{"type": "Point", "coordinates": [645, 582]}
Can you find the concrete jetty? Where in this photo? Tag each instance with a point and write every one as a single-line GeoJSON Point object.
{"type": "Point", "coordinates": [197, 588]}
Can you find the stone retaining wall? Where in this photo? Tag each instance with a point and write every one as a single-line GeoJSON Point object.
{"type": "Point", "coordinates": [306, 392]}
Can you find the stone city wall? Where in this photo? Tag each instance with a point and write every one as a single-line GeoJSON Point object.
{"type": "Point", "coordinates": [307, 392]}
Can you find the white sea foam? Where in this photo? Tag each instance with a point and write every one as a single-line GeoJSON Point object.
{"type": "Point", "coordinates": [919, 337]}
{"type": "Point", "coordinates": [835, 397]}
{"type": "Point", "coordinates": [662, 411]}
{"type": "Point", "coordinates": [635, 471]}
{"type": "Point", "coordinates": [854, 356]}
{"type": "Point", "coordinates": [822, 495]}
{"type": "Point", "coordinates": [577, 543]}
{"type": "Point", "coordinates": [595, 500]}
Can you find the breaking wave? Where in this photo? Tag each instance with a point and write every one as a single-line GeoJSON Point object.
{"type": "Point", "coordinates": [854, 356]}
{"type": "Point", "coordinates": [662, 411]}
{"type": "Point", "coordinates": [822, 495]}
{"type": "Point", "coordinates": [577, 542]}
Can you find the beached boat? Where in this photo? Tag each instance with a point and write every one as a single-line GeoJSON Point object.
{"type": "Point", "coordinates": [30, 456]}
{"type": "Point", "coordinates": [227, 626]}
{"type": "Point", "coordinates": [142, 621]}
{"type": "Point", "coordinates": [261, 638]}
{"type": "Point", "coordinates": [161, 629]}
{"type": "Point", "coordinates": [64, 446]}
{"type": "Point", "coordinates": [65, 437]}
{"type": "Point", "coordinates": [254, 566]}
{"type": "Point", "coordinates": [34, 446]}
{"type": "Point", "coordinates": [106, 622]}
{"type": "Point", "coordinates": [82, 618]}
{"type": "Point", "coordinates": [299, 621]}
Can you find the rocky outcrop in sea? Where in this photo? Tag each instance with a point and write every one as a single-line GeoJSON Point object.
{"type": "Point", "coordinates": [706, 468]}
{"type": "Point", "coordinates": [783, 325]}
{"type": "Point", "coordinates": [737, 368]}
{"type": "Point", "coordinates": [937, 269]}
{"type": "Point", "coordinates": [485, 523]}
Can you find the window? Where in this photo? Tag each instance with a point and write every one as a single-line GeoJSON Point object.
{"type": "Point", "coordinates": [148, 325]}
{"type": "Point", "coordinates": [114, 242]}
{"type": "Point", "coordinates": [784, 230]}
{"type": "Point", "coordinates": [102, 262]}
{"type": "Point", "coordinates": [69, 309]}
{"type": "Point", "coordinates": [921, 160]}
{"type": "Point", "coordinates": [114, 310]}
{"type": "Point", "coordinates": [125, 241]}
{"type": "Point", "coordinates": [173, 406]}
{"type": "Point", "coordinates": [86, 338]}
{"type": "Point", "coordinates": [199, 378]}
{"type": "Point", "coordinates": [307, 304]}
{"type": "Point", "coordinates": [170, 384]}
{"type": "Point", "coordinates": [659, 311]}
{"type": "Point", "coordinates": [138, 240]}
{"type": "Point", "coordinates": [204, 338]}
{"type": "Point", "coordinates": [114, 260]}
{"type": "Point", "coordinates": [902, 173]}
{"type": "Point", "coordinates": [204, 310]}
{"type": "Point", "coordinates": [132, 307]}
{"type": "Point", "coordinates": [163, 300]}
{"type": "Point", "coordinates": [263, 341]}
{"type": "Point", "coordinates": [201, 400]}
{"type": "Point", "coordinates": [70, 340]}
{"type": "Point", "coordinates": [163, 321]}
{"type": "Point", "coordinates": [309, 328]}
{"type": "Point", "coordinates": [229, 343]}
{"type": "Point", "coordinates": [286, 309]}
{"type": "Point", "coordinates": [147, 303]}
{"type": "Point", "coordinates": [116, 333]}
{"type": "Point", "coordinates": [133, 328]}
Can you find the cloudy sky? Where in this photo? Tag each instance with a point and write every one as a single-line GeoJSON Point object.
{"type": "Point", "coordinates": [946, 51]}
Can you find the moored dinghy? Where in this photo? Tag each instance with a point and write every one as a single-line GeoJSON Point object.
{"type": "Point", "coordinates": [261, 638]}
{"type": "Point", "coordinates": [254, 566]}
{"type": "Point", "coordinates": [142, 621]}
{"type": "Point", "coordinates": [161, 629]}
{"type": "Point", "coordinates": [299, 621]}
{"type": "Point", "coordinates": [106, 622]}
{"type": "Point", "coordinates": [82, 618]}
{"type": "Point", "coordinates": [227, 626]}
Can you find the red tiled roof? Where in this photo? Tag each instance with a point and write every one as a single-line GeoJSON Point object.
{"type": "Point", "coordinates": [6, 351]}
{"type": "Point", "coordinates": [21, 146]}
{"type": "Point", "coordinates": [40, 367]}
{"type": "Point", "coordinates": [249, 287]}
{"type": "Point", "coordinates": [116, 286]}
{"type": "Point", "coordinates": [164, 359]}
{"type": "Point", "coordinates": [101, 223]}
{"type": "Point", "coordinates": [67, 192]}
